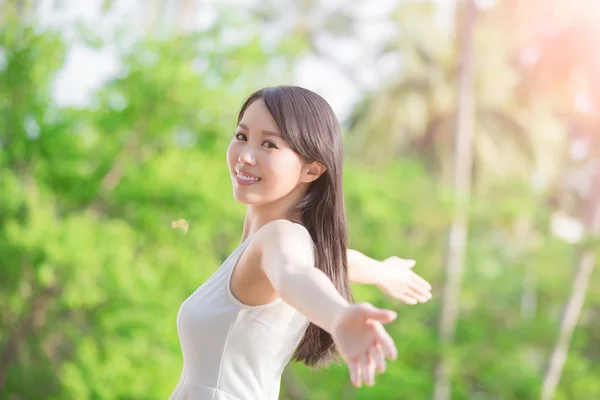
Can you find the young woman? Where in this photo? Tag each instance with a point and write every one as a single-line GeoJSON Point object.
{"type": "Point", "coordinates": [284, 291]}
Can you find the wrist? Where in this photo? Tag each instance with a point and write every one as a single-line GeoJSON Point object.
{"type": "Point", "coordinates": [380, 273]}
{"type": "Point", "coordinates": [368, 270]}
{"type": "Point", "coordinates": [339, 314]}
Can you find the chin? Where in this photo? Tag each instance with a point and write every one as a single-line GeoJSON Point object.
{"type": "Point", "coordinates": [249, 199]}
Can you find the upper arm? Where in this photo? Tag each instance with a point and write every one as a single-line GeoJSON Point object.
{"type": "Point", "coordinates": [283, 247]}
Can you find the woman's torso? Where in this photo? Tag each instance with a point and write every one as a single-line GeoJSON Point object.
{"type": "Point", "coordinates": [232, 351]}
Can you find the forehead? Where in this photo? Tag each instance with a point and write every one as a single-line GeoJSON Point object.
{"type": "Point", "coordinates": [257, 117]}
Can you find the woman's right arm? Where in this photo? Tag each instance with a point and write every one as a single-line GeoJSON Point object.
{"type": "Point", "coordinates": [286, 259]}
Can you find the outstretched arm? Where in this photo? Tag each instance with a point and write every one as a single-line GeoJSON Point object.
{"type": "Point", "coordinates": [286, 260]}
{"type": "Point", "coordinates": [364, 269]}
{"type": "Point", "coordinates": [393, 276]}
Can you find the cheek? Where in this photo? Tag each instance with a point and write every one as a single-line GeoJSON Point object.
{"type": "Point", "coordinates": [232, 156]}
{"type": "Point", "coordinates": [285, 169]}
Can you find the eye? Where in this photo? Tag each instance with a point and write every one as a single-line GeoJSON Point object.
{"type": "Point", "coordinates": [240, 136]}
{"type": "Point", "coordinates": [270, 145]}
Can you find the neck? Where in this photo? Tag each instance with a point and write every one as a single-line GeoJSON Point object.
{"type": "Point", "coordinates": [258, 215]}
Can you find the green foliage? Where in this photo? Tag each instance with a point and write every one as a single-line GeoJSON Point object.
{"type": "Point", "coordinates": [92, 275]}
{"type": "Point", "coordinates": [89, 261]}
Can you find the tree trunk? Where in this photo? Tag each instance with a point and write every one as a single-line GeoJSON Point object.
{"type": "Point", "coordinates": [574, 305]}
{"type": "Point", "coordinates": [457, 236]}
{"type": "Point", "coordinates": [28, 323]}
{"type": "Point", "coordinates": [186, 13]}
{"type": "Point", "coordinates": [154, 9]}
{"type": "Point", "coordinates": [567, 324]}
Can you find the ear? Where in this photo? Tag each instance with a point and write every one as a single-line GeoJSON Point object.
{"type": "Point", "coordinates": [312, 171]}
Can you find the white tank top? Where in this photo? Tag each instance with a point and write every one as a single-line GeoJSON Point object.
{"type": "Point", "coordinates": [232, 351]}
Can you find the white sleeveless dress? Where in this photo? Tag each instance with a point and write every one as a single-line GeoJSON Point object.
{"type": "Point", "coordinates": [232, 351]}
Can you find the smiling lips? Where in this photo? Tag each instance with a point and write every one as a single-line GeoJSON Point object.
{"type": "Point", "coordinates": [246, 179]}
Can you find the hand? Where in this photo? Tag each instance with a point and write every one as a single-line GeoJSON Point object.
{"type": "Point", "coordinates": [363, 342]}
{"type": "Point", "coordinates": [400, 282]}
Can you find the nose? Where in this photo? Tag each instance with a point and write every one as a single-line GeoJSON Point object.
{"type": "Point", "coordinates": [246, 156]}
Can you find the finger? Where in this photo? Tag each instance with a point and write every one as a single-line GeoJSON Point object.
{"type": "Point", "coordinates": [414, 286]}
{"type": "Point", "coordinates": [406, 299]}
{"type": "Point", "coordinates": [379, 314]}
{"type": "Point", "coordinates": [368, 369]}
{"type": "Point", "coordinates": [420, 288]}
{"type": "Point", "coordinates": [422, 282]}
{"type": "Point", "coordinates": [413, 293]}
{"type": "Point", "coordinates": [376, 354]}
{"type": "Point", "coordinates": [355, 373]}
{"type": "Point", "coordinates": [387, 343]}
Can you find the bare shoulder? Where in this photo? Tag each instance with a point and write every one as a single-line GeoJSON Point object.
{"type": "Point", "coordinates": [282, 229]}
{"type": "Point", "coordinates": [285, 241]}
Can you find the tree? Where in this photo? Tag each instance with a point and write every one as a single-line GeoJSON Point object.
{"type": "Point", "coordinates": [414, 113]}
{"type": "Point", "coordinates": [557, 62]}
{"type": "Point", "coordinates": [457, 235]}
{"type": "Point", "coordinates": [87, 197]}
{"type": "Point", "coordinates": [564, 56]}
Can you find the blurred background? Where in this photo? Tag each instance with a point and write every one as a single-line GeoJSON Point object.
{"type": "Point", "coordinates": [471, 132]}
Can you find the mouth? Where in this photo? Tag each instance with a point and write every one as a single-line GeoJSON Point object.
{"type": "Point", "coordinates": [246, 179]}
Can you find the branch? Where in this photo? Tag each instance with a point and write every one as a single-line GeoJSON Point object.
{"type": "Point", "coordinates": [574, 305]}
{"type": "Point", "coordinates": [117, 169]}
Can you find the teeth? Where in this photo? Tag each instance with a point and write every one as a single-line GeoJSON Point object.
{"type": "Point", "coordinates": [246, 178]}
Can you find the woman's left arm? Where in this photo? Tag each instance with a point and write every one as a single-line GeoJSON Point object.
{"type": "Point", "coordinates": [393, 276]}
{"type": "Point", "coordinates": [364, 269]}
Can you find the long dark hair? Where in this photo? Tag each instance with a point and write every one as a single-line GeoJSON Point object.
{"type": "Point", "coordinates": [310, 127]}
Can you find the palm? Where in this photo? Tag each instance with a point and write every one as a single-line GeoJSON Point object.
{"type": "Point", "coordinates": [362, 341]}
{"type": "Point", "coordinates": [402, 283]}
{"type": "Point", "coordinates": [354, 335]}
{"type": "Point", "coordinates": [397, 281]}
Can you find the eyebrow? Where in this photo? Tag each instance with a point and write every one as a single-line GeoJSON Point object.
{"type": "Point", "coordinates": [265, 132]}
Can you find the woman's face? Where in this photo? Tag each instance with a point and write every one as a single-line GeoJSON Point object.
{"type": "Point", "coordinates": [263, 167]}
